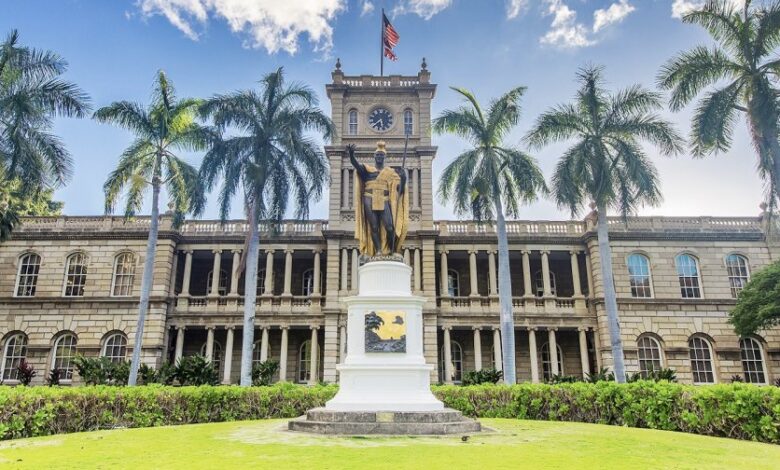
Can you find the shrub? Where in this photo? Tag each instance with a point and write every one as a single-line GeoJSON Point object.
{"type": "Point", "coordinates": [196, 370]}
{"type": "Point", "coordinates": [25, 372]}
{"type": "Point", "coordinates": [165, 375]}
{"type": "Point", "coordinates": [102, 370]}
{"type": "Point", "coordinates": [263, 372]}
{"type": "Point", "coordinates": [484, 376]}
{"type": "Point", "coordinates": [54, 377]}
{"type": "Point", "coordinates": [602, 375]}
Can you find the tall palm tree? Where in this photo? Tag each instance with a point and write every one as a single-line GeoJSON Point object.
{"type": "Point", "coordinates": [489, 181]}
{"type": "Point", "coordinates": [606, 164]}
{"type": "Point", "coordinates": [166, 126]}
{"type": "Point", "coordinates": [740, 75]}
{"type": "Point", "coordinates": [268, 157]}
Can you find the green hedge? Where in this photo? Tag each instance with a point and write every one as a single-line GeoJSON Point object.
{"type": "Point", "coordinates": [738, 411]}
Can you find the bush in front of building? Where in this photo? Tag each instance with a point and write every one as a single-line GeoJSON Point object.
{"type": "Point", "coordinates": [483, 376]}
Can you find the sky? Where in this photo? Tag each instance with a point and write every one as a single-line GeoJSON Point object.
{"type": "Point", "coordinates": [115, 47]}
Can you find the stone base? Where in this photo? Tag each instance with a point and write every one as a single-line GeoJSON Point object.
{"type": "Point", "coordinates": [355, 423]}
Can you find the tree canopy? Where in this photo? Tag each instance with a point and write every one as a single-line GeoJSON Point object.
{"type": "Point", "coordinates": [758, 305]}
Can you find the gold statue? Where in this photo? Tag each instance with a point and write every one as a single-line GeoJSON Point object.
{"type": "Point", "coordinates": [381, 205]}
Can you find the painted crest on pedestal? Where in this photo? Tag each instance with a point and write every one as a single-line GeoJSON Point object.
{"type": "Point", "coordinates": [386, 331]}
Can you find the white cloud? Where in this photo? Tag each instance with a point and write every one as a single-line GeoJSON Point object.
{"type": "Point", "coordinates": [614, 14]}
{"type": "Point", "coordinates": [515, 7]}
{"type": "Point", "coordinates": [564, 31]}
{"type": "Point", "coordinates": [366, 8]}
{"type": "Point", "coordinates": [274, 25]}
{"type": "Point", "coordinates": [682, 7]}
{"type": "Point", "coordinates": [423, 8]}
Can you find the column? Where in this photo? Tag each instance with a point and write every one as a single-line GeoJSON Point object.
{"type": "Point", "coordinates": [553, 351]}
{"type": "Point", "coordinates": [175, 265]}
{"type": "Point", "coordinates": [355, 261]}
{"type": "Point", "coordinates": [575, 273]}
{"type": "Point", "coordinates": [234, 275]}
{"type": "Point", "coordinates": [264, 345]}
{"type": "Point", "coordinates": [447, 356]}
{"type": "Point", "coordinates": [415, 180]}
{"type": "Point", "coordinates": [407, 257]}
{"type": "Point", "coordinates": [534, 359]}
{"type": "Point", "coordinates": [288, 272]}
{"type": "Point", "coordinates": [228, 355]}
{"type": "Point", "coordinates": [345, 188]}
{"type": "Point", "coordinates": [342, 343]}
{"type": "Point", "coordinates": [179, 344]}
{"type": "Point", "coordinates": [546, 274]}
{"type": "Point", "coordinates": [215, 273]}
{"type": "Point", "coordinates": [417, 271]}
{"type": "Point", "coordinates": [185, 284]}
{"type": "Point", "coordinates": [492, 275]}
{"type": "Point", "coordinates": [528, 291]}
{"type": "Point", "coordinates": [283, 355]}
{"type": "Point", "coordinates": [444, 289]}
{"type": "Point", "coordinates": [209, 343]}
{"type": "Point", "coordinates": [589, 278]}
{"type": "Point", "coordinates": [584, 352]}
{"type": "Point", "coordinates": [344, 269]}
{"type": "Point", "coordinates": [314, 374]}
{"type": "Point", "coordinates": [473, 273]}
{"type": "Point", "coordinates": [477, 349]}
{"type": "Point", "coordinates": [268, 288]}
{"type": "Point", "coordinates": [498, 358]}
{"type": "Point", "coordinates": [317, 282]}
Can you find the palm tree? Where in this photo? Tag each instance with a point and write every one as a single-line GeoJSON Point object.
{"type": "Point", "coordinates": [488, 181]}
{"type": "Point", "coordinates": [741, 72]}
{"type": "Point", "coordinates": [269, 159]}
{"type": "Point", "coordinates": [606, 164]}
{"type": "Point", "coordinates": [166, 126]}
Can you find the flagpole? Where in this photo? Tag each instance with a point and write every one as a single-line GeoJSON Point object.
{"type": "Point", "coordinates": [382, 45]}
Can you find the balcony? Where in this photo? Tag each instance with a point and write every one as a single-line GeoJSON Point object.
{"type": "Point", "coordinates": [521, 305]}
{"type": "Point", "coordinates": [235, 304]}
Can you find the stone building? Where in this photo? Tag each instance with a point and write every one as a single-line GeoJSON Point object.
{"type": "Point", "coordinates": [70, 285]}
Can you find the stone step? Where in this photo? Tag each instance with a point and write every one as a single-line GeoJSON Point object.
{"type": "Point", "coordinates": [466, 426]}
{"type": "Point", "coordinates": [443, 416]}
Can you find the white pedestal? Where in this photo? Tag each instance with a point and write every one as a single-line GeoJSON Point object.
{"type": "Point", "coordinates": [384, 381]}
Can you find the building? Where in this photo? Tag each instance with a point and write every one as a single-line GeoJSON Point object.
{"type": "Point", "coordinates": [70, 285]}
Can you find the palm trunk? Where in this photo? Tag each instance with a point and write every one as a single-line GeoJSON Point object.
{"type": "Point", "coordinates": [146, 281]}
{"type": "Point", "coordinates": [250, 296]}
{"type": "Point", "coordinates": [505, 298]}
{"type": "Point", "coordinates": [610, 298]}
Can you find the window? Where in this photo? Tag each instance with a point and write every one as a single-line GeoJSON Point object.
{"type": "Point", "coordinates": [304, 361]}
{"type": "Point", "coordinates": [738, 271]}
{"type": "Point", "coordinates": [457, 363]}
{"type": "Point", "coordinates": [408, 122]}
{"type": "Point", "coordinates": [639, 275]}
{"type": "Point", "coordinates": [701, 360]}
{"type": "Point", "coordinates": [688, 274]}
{"type": "Point", "coordinates": [353, 122]}
{"type": "Point", "coordinates": [649, 350]}
{"type": "Point", "coordinates": [539, 284]}
{"type": "Point", "coordinates": [75, 275]}
{"type": "Point", "coordinates": [115, 347]}
{"type": "Point", "coordinates": [14, 352]}
{"type": "Point", "coordinates": [453, 283]}
{"type": "Point", "coordinates": [216, 358]}
{"type": "Point", "coordinates": [546, 362]}
{"type": "Point", "coordinates": [124, 275]}
{"type": "Point", "coordinates": [260, 282]}
{"type": "Point", "coordinates": [752, 361]}
{"type": "Point", "coordinates": [27, 276]}
{"type": "Point", "coordinates": [308, 282]}
{"type": "Point", "coordinates": [223, 280]}
{"type": "Point", "coordinates": [63, 354]}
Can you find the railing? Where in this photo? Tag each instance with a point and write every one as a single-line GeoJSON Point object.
{"type": "Point", "coordinates": [552, 305]}
{"type": "Point", "coordinates": [383, 82]}
{"type": "Point", "coordinates": [298, 303]}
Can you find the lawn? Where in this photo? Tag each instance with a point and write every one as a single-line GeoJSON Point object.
{"type": "Point", "coordinates": [266, 444]}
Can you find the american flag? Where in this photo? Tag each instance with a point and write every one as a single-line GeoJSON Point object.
{"type": "Point", "coordinates": [390, 38]}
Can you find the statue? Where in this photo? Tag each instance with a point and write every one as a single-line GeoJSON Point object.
{"type": "Point", "coordinates": [381, 205]}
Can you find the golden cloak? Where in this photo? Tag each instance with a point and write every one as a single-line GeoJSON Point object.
{"type": "Point", "coordinates": [387, 180]}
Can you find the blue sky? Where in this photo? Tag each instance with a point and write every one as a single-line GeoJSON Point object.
{"type": "Point", "coordinates": [215, 46]}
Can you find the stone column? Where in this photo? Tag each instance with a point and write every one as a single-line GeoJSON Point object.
{"type": "Point", "coordinates": [414, 176]}
{"type": "Point", "coordinates": [534, 359]}
{"type": "Point", "coordinates": [417, 271]}
{"type": "Point", "coordinates": [589, 277]}
{"type": "Point", "coordinates": [185, 282]}
{"type": "Point", "coordinates": [546, 274]}
{"type": "Point", "coordinates": [179, 344]}
{"type": "Point", "coordinates": [407, 257]}
{"type": "Point", "coordinates": [498, 358]}
{"type": "Point", "coordinates": [287, 273]}
{"type": "Point", "coordinates": [210, 343]}
{"type": "Point", "coordinates": [477, 349]}
{"type": "Point", "coordinates": [492, 274]}
{"type": "Point", "coordinates": [528, 290]}
{"type": "Point", "coordinates": [283, 355]}
{"type": "Point", "coordinates": [448, 372]}
{"type": "Point", "coordinates": [344, 269]}
{"type": "Point", "coordinates": [575, 273]}
{"type": "Point", "coordinates": [228, 355]}
{"type": "Point", "coordinates": [355, 262]}
{"type": "Point", "coordinates": [342, 343]}
{"type": "Point", "coordinates": [317, 282]}
{"type": "Point", "coordinates": [345, 188]}
{"type": "Point", "coordinates": [314, 373]}
{"type": "Point", "coordinates": [473, 273]}
{"type": "Point", "coordinates": [234, 275]}
{"type": "Point", "coordinates": [215, 273]}
{"type": "Point", "coordinates": [584, 352]}
{"type": "Point", "coordinates": [445, 290]}
{"type": "Point", "coordinates": [268, 288]}
{"type": "Point", "coordinates": [264, 345]}
{"type": "Point", "coordinates": [553, 351]}
{"type": "Point", "coordinates": [172, 285]}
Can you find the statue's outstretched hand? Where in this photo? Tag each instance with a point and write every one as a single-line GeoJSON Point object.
{"type": "Point", "coordinates": [351, 149]}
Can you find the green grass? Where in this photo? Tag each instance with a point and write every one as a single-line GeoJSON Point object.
{"type": "Point", "coordinates": [266, 444]}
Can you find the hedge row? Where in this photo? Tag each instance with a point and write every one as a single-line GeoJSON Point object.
{"type": "Point", "coordinates": [738, 411]}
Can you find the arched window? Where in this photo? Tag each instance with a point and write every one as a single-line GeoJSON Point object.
{"type": "Point", "coordinates": [63, 353]}
{"type": "Point", "coordinates": [353, 122]}
{"type": "Point", "coordinates": [752, 360]}
{"type": "Point", "coordinates": [457, 363]}
{"type": "Point", "coordinates": [408, 122]}
{"type": "Point", "coordinates": [27, 275]}
{"type": "Point", "coordinates": [453, 283]}
{"type": "Point", "coordinates": [223, 280]}
{"type": "Point", "coordinates": [738, 271]}
{"type": "Point", "coordinates": [260, 282]}
{"type": "Point", "coordinates": [75, 275]}
{"type": "Point", "coordinates": [124, 275]}
{"type": "Point", "coordinates": [304, 361]}
{"type": "Point", "coordinates": [14, 352]}
{"type": "Point", "coordinates": [547, 363]}
{"type": "Point", "coordinates": [115, 347]}
{"type": "Point", "coordinates": [639, 275]}
{"type": "Point", "coordinates": [649, 351]}
{"type": "Point", "coordinates": [539, 284]}
{"type": "Point", "coordinates": [700, 352]}
{"type": "Point", "coordinates": [216, 359]}
{"type": "Point", "coordinates": [688, 274]}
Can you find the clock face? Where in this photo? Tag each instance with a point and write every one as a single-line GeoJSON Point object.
{"type": "Point", "coordinates": [380, 119]}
